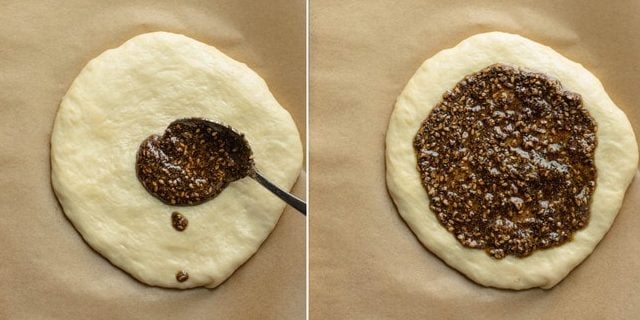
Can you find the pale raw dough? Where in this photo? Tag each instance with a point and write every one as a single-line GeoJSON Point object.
{"type": "Point", "coordinates": [131, 92]}
{"type": "Point", "coordinates": [616, 159]}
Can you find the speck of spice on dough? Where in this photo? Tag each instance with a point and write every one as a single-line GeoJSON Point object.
{"type": "Point", "coordinates": [182, 276]}
{"type": "Point", "coordinates": [507, 160]}
{"type": "Point", "coordinates": [179, 221]}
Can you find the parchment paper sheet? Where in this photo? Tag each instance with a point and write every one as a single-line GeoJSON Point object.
{"type": "Point", "coordinates": [46, 270]}
{"type": "Point", "coordinates": [365, 262]}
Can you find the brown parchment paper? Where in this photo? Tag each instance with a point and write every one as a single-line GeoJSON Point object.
{"type": "Point", "coordinates": [365, 263]}
{"type": "Point", "coordinates": [46, 270]}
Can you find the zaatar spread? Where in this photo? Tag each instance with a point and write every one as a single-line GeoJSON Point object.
{"type": "Point", "coordinates": [182, 276]}
{"type": "Point", "coordinates": [179, 221]}
{"type": "Point", "coordinates": [192, 162]}
{"type": "Point", "coordinates": [507, 160]}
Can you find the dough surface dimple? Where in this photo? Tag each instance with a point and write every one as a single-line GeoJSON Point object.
{"type": "Point", "coordinates": [134, 91]}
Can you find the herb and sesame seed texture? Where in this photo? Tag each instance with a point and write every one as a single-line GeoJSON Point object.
{"type": "Point", "coordinates": [192, 162]}
{"type": "Point", "coordinates": [508, 161]}
{"type": "Point", "coordinates": [515, 172]}
{"type": "Point", "coordinates": [124, 96]}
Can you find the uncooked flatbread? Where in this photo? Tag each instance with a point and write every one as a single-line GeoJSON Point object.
{"type": "Point", "coordinates": [616, 159]}
{"type": "Point", "coordinates": [131, 92]}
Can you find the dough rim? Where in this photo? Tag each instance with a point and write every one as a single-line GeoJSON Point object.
{"type": "Point", "coordinates": [616, 159]}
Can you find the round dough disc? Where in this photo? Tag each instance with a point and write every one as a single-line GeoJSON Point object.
{"type": "Point", "coordinates": [128, 93]}
{"type": "Point", "coordinates": [616, 159]}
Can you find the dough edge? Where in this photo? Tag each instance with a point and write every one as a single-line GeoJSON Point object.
{"type": "Point", "coordinates": [616, 159]}
{"type": "Point", "coordinates": [248, 208]}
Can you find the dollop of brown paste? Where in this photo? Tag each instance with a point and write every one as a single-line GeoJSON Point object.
{"type": "Point", "coordinates": [192, 162]}
{"type": "Point", "coordinates": [507, 160]}
{"type": "Point", "coordinates": [179, 221]}
{"type": "Point", "coordinates": [182, 276]}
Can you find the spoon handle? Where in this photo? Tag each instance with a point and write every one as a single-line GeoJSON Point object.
{"type": "Point", "coordinates": [285, 196]}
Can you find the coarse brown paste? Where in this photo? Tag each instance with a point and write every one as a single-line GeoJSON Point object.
{"type": "Point", "coordinates": [179, 221]}
{"type": "Point", "coordinates": [182, 276]}
{"type": "Point", "coordinates": [192, 162]}
{"type": "Point", "coordinates": [507, 160]}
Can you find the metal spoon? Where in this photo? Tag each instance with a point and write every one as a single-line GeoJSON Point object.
{"type": "Point", "coordinates": [287, 197]}
{"type": "Point", "coordinates": [175, 166]}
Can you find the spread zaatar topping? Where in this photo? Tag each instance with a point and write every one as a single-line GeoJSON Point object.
{"type": "Point", "coordinates": [507, 160]}
{"type": "Point", "coordinates": [192, 162]}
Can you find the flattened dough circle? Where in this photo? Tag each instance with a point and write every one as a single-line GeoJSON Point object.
{"type": "Point", "coordinates": [128, 93]}
{"type": "Point", "coordinates": [616, 158]}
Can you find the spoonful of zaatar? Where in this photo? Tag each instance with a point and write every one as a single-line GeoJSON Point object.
{"type": "Point", "coordinates": [195, 160]}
